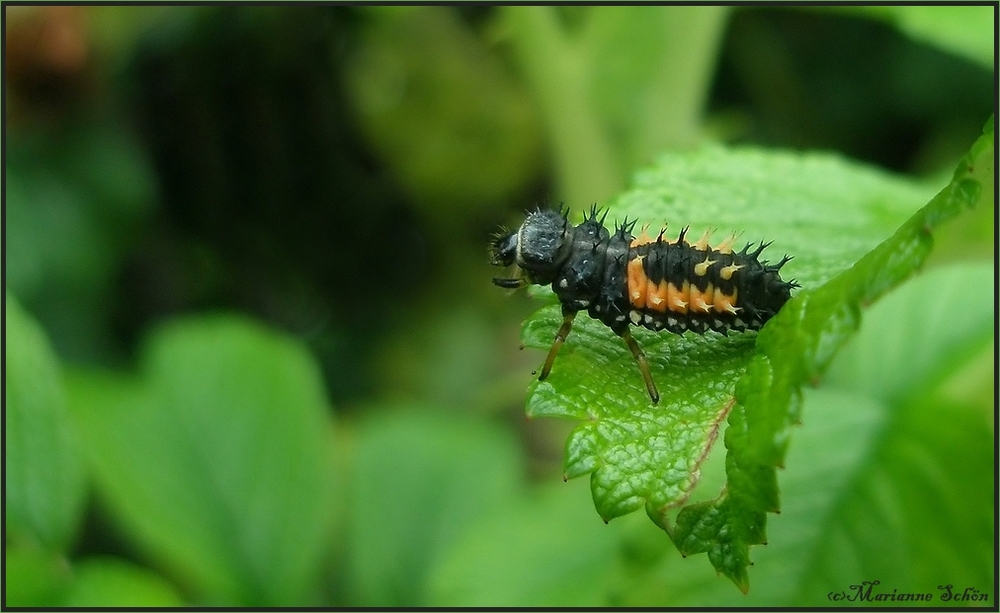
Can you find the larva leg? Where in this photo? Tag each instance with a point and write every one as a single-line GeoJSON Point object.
{"type": "Point", "coordinates": [640, 358]}
{"type": "Point", "coordinates": [567, 325]}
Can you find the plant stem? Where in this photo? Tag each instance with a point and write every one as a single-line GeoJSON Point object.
{"type": "Point", "coordinates": [586, 170]}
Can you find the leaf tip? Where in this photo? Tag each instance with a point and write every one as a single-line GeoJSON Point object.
{"type": "Point", "coordinates": [743, 583]}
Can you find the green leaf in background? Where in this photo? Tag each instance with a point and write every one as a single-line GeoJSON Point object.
{"type": "Point", "coordinates": [826, 212]}
{"type": "Point", "coordinates": [418, 481]}
{"type": "Point", "coordinates": [44, 479]}
{"type": "Point", "coordinates": [218, 459]}
{"type": "Point", "coordinates": [927, 490]}
{"type": "Point", "coordinates": [111, 583]}
{"type": "Point", "coordinates": [964, 30]}
{"type": "Point", "coordinates": [34, 577]}
{"type": "Point", "coordinates": [74, 202]}
{"type": "Point", "coordinates": [542, 550]}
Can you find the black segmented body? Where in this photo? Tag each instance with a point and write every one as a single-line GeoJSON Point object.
{"type": "Point", "coordinates": [622, 280]}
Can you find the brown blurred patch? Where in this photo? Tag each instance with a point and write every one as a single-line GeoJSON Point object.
{"type": "Point", "coordinates": [47, 51]}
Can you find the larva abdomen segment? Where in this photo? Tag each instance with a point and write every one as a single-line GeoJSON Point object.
{"type": "Point", "coordinates": [677, 287]}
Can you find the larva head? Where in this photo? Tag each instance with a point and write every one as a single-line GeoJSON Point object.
{"type": "Point", "coordinates": [539, 248]}
{"type": "Point", "coordinates": [503, 251]}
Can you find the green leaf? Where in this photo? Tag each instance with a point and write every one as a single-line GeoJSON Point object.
{"type": "Point", "coordinates": [419, 480]}
{"type": "Point", "coordinates": [625, 441]}
{"type": "Point", "coordinates": [541, 550]}
{"type": "Point", "coordinates": [802, 339]}
{"type": "Point", "coordinates": [218, 458]}
{"type": "Point", "coordinates": [917, 321]}
{"type": "Point", "coordinates": [34, 577]}
{"type": "Point", "coordinates": [639, 454]}
{"type": "Point", "coordinates": [895, 488]}
{"type": "Point", "coordinates": [927, 490]}
{"type": "Point", "coordinates": [109, 582]}
{"type": "Point", "coordinates": [838, 220]}
{"type": "Point", "coordinates": [43, 473]}
{"type": "Point", "coordinates": [964, 30]}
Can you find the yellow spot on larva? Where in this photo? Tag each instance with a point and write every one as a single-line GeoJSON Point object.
{"type": "Point", "coordinates": [727, 271]}
{"type": "Point", "coordinates": [701, 268]}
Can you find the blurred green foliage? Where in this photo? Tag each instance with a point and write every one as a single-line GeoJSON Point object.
{"type": "Point", "coordinates": [443, 473]}
{"type": "Point", "coordinates": [443, 112]}
{"type": "Point", "coordinates": [218, 459]}
{"type": "Point", "coordinates": [253, 357]}
{"type": "Point", "coordinates": [43, 471]}
{"type": "Point", "coordinates": [616, 87]}
{"type": "Point", "coordinates": [965, 30]}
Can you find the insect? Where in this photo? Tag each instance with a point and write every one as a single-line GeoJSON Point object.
{"type": "Point", "coordinates": [622, 280]}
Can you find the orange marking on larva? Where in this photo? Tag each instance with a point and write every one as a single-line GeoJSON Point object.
{"type": "Point", "coordinates": [677, 299]}
{"type": "Point", "coordinates": [642, 239]}
{"type": "Point", "coordinates": [696, 301]}
{"type": "Point", "coordinates": [637, 283]}
{"type": "Point", "coordinates": [656, 296]}
{"type": "Point", "coordinates": [702, 301]}
{"type": "Point", "coordinates": [702, 243]}
{"type": "Point", "coordinates": [724, 302]}
{"type": "Point", "coordinates": [726, 272]}
{"type": "Point", "coordinates": [651, 296]}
